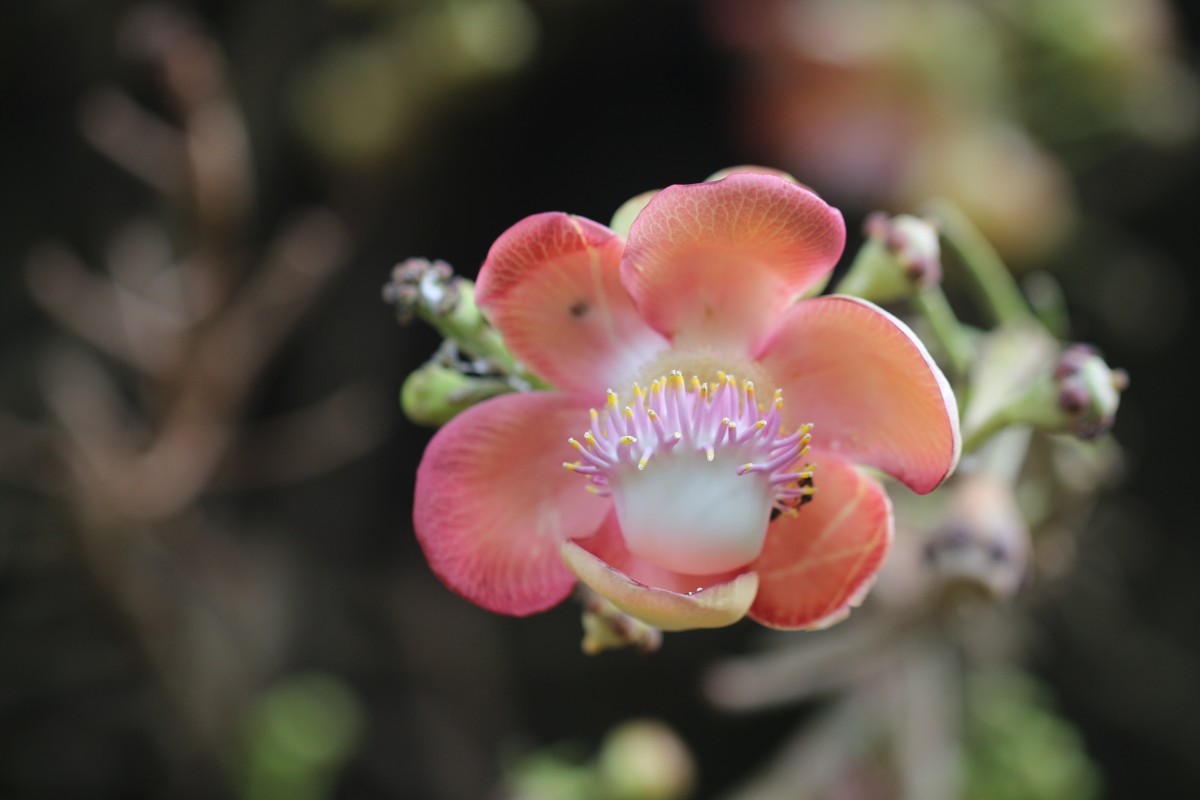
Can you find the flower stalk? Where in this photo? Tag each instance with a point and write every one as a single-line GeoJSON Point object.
{"type": "Point", "coordinates": [951, 336]}
{"type": "Point", "coordinates": [994, 284]}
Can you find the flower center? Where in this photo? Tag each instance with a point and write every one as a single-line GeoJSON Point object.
{"type": "Point", "coordinates": [695, 470]}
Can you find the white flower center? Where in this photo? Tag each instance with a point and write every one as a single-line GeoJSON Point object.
{"type": "Point", "coordinates": [695, 470]}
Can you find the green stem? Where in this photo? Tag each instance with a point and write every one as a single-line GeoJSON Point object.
{"type": "Point", "coordinates": [994, 282]}
{"type": "Point", "coordinates": [975, 439]}
{"type": "Point", "coordinates": [931, 303]}
{"type": "Point", "coordinates": [467, 328]}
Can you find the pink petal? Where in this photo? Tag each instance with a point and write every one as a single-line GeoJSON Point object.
{"type": "Point", "coordinates": [818, 564]}
{"type": "Point", "coordinates": [551, 284]}
{"type": "Point", "coordinates": [714, 263]}
{"type": "Point", "coordinates": [869, 387]}
{"type": "Point", "coordinates": [493, 501]}
{"type": "Point", "coordinates": [714, 607]}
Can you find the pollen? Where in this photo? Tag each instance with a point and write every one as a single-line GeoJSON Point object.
{"type": "Point", "coordinates": [696, 469]}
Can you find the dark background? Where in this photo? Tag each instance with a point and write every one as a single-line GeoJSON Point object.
{"type": "Point", "coordinates": [619, 97]}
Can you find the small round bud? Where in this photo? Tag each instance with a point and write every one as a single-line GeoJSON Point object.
{"type": "Point", "coordinates": [901, 256]}
{"type": "Point", "coordinates": [436, 392]}
{"type": "Point", "coordinates": [645, 760]}
{"type": "Point", "coordinates": [1088, 391]}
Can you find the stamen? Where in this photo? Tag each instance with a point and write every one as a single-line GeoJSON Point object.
{"type": "Point", "coordinates": [702, 508]}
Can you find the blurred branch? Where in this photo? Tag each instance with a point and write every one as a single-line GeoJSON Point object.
{"type": "Point", "coordinates": [117, 322]}
{"type": "Point", "coordinates": [139, 142]}
{"type": "Point", "coordinates": [816, 757]}
{"type": "Point", "coordinates": [308, 442]}
{"type": "Point", "coordinates": [197, 322]}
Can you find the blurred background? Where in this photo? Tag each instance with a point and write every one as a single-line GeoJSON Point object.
{"type": "Point", "coordinates": [209, 585]}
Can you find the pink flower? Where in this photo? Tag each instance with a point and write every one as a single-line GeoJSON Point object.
{"type": "Point", "coordinates": [687, 372]}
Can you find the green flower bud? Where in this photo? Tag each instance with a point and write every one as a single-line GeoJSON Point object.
{"type": "Point", "coordinates": [645, 760]}
{"type": "Point", "coordinates": [1080, 397]}
{"type": "Point", "coordinates": [901, 255]}
{"type": "Point", "coordinates": [436, 392]}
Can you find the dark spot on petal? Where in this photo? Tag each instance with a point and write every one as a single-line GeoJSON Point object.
{"type": "Point", "coordinates": [579, 310]}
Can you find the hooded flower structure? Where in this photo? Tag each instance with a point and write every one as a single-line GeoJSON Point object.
{"type": "Point", "coordinates": [697, 461]}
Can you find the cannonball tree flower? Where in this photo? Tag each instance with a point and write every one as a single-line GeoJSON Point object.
{"type": "Point", "coordinates": [699, 457]}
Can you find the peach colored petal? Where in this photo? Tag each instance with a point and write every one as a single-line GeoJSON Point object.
{"type": "Point", "coordinates": [713, 263]}
{"type": "Point", "coordinates": [819, 564]}
{"type": "Point", "coordinates": [551, 284]}
{"type": "Point", "coordinates": [714, 607]}
{"type": "Point", "coordinates": [869, 387]}
{"type": "Point", "coordinates": [493, 501]}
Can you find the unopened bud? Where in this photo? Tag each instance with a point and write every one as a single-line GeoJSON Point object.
{"type": "Point", "coordinates": [1087, 393]}
{"type": "Point", "coordinates": [900, 256]}
{"type": "Point", "coordinates": [645, 760]}
{"type": "Point", "coordinates": [436, 392]}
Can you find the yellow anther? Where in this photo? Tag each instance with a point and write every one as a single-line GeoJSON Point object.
{"type": "Point", "coordinates": [695, 383]}
{"type": "Point", "coordinates": [591, 440]}
{"type": "Point", "coordinates": [637, 391]}
{"type": "Point", "coordinates": [758, 426]}
{"type": "Point", "coordinates": [628, 439]}
{"type": "Point", "coordinates": [720, 376]}
{"type": "Point", "coordinates": [612, 398]}
{"type": "Point", "coordinates": [594, 414]}
{"type": "Point", "coordinates": [628, 412]}
{"type": "Point", "coordinates": [709, 453]}
{"type": "Point", "coordinates": [575, 444]}
{"type": "Point", "coordinates": [643, 461]}
{"type": "Point", "coordinates": [591, 488]}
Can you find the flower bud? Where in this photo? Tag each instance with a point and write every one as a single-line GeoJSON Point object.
{"type": "Point", "coordinates": [1079, 396]}
{"type": "Point", "coordinates": [645, 760]}
{"type": "Point", "coordinates": [436, 392]}
{"type": "Point", "coordinates": [901, 255]}
{"type": "Point", "coordinates": [1089, 391]}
